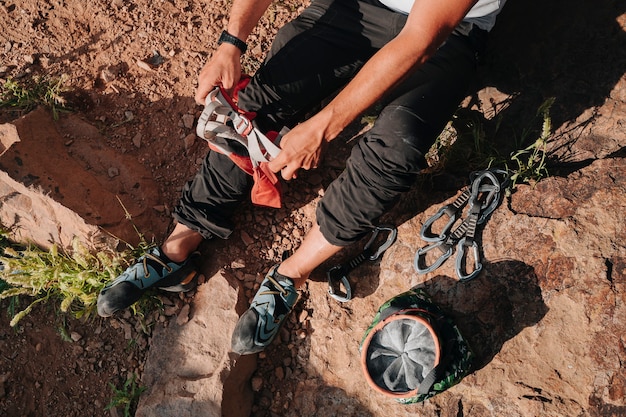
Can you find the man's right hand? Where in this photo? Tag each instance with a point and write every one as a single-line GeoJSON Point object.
{"type": "Point", "coordinates": [222, 69]}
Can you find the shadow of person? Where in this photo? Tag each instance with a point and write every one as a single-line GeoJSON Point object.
{"type": "Point", "coordinates": [571, 51]}
{"type": "Point", "coordinates": [493, 308]}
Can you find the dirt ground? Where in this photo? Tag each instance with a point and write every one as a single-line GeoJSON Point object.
{"type": "Point", "coordinates": [132, 69]}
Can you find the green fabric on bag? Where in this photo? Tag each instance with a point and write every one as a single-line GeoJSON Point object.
{"type": "Point", "coordinates": [456, 355]}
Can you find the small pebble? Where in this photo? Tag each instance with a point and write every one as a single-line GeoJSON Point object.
{"type": "Point", "coordinates": [257, 383]}
{"type": "Point", "coordinates": [144, 65]}
{"type": "Point", "coordinates": [183, 316]}
{"type": "Point", "coordinates": [137, 140]}
{"type": "Point", "coordinates": [188, 120]}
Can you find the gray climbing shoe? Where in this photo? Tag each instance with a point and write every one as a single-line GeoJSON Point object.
{"type": "Point", "coordinates": [272, 303]}
{"type": "Point", "coordinates": [153, 270]}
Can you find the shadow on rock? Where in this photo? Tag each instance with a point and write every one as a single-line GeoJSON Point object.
{"type": "Point", "coordinates": [566, 53]}
{"type": "Point", "coordinates": [493, 308]}
{"type": "Point", "coordinates": [558, 49]}
{"type": "Point", "coordinates": [190, 370]}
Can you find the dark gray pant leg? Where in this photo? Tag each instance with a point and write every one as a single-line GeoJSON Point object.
{"type": "Point", "coordinates": [314, 56]}
{"type": "Point", "coordinates": [310, 59]}
{"type": "Point", "coordinates": [386, 160]}
{"type": "Point", "coordinates": [209, 199]}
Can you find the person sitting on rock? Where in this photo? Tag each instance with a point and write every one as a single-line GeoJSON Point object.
{"type": "Point", "coordinates": [417, 57]}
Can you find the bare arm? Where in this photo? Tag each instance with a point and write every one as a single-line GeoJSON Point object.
{"type": "Point", "coordinates": [224, 67]}
{"type": "Point", "coordinates": [428, 25]}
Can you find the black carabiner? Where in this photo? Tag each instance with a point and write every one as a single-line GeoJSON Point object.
{"type": "Point", "coordinates": [336, 279]}
{"type": "Point", "coordinates": [452, 210]}
{"type": "Point", "coordinates": [461, 260]}
{"type": "Point", "coordinates": [419, 262]}
{"type": "Point", "coordinates": [391, 238]}
{"type": "Point", "coordinates": [338, 275]}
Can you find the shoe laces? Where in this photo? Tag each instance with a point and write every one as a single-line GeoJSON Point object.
{"type": "Point", "coordinates": [146, 270]}
{"type": "Point", "coordinates": [274, 281]}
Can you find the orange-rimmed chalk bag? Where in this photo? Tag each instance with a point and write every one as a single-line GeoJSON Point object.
{"type": "Point", "coordinates": [412, 350]}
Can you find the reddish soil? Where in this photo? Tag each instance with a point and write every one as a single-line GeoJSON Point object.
{"type": "Point", "coordinates": [132, 70]}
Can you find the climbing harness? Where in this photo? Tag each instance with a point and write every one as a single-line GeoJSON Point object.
{"type": "Point", "coordinates": [482, 197]}
{"type": "Point", "coordinates": [213, 124]}
{"type": "Point", "coordinates": [223, 125]}
{"type": "Point", "coordinates": [338, 275]}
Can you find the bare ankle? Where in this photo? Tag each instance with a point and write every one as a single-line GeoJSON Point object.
{"type": "Point", "coordinates": [174, 253]}
{"type": "Point", "coordinates": [295, 274]}
{"type": "Point", "coordinates": [181, 243]}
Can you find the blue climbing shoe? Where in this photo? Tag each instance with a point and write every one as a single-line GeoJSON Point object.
{"type": "Point", "coordinates": [152, 270]}
{"type": "Point", "coordinates": [258, 326]}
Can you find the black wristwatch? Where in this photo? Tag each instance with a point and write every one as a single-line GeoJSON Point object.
{"type": "Point", "coordinates": [233, 40]}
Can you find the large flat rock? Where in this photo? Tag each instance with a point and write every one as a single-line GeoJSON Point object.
{"type": "Point", "coordinates": [189, 370]}
{"type": "Point", "coordinates": [546, 318]}
{"type": "Point", "coordinates": [59, 180]}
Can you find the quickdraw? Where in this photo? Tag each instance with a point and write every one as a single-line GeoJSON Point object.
{"type": "Point", "coordinates": [482, 197]}
{"type": "Point", "coordinates": [338, 284]}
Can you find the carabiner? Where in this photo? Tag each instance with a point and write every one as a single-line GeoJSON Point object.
{"type": "Point", "coordinates": [391, 238]}
{"type": "Point", "coordinates": [460, 261]}
{"type": "Point", "coordinates": [490, 194]}
{"type": "Point", "coordinates": [492, 191]}
{"type": "Point", "coordinates": [506, 178]}
{"type": "Point", "coordinates": [420, 257]}
{"type": "Point", "coordinates": [426, 231]}
{"type": "Point", "coordinates": [334, 285]}
{"type": "Point", "coordinates": [452, 210]}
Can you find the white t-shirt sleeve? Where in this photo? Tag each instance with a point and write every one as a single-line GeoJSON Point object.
{"type": "Point", "coordinates": [483, 14]}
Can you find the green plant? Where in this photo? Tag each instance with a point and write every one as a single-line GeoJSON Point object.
{"type": "Point", "coordinates": [4, 243]}
{"type": "Point", "coordinates": [530, 163]}
{"type": "Point", "coordinates": [126, 397]}
{"type": "Point", "coordinates": [40, 90]}
{"type": "Point", "coordinates": [464, 146]}
{"type": "Point", "coordinates": [74, 278]}
{"type": "Point", "coordinates": [63, 331]}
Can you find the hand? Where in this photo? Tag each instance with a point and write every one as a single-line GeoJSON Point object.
{"type": "Point", "coordinates": [224, 68]}
{"type": "Point", "coordinates": [302, 148]}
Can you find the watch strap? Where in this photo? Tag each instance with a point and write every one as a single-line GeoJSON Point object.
{"type": "Point", "coordinates": [233, 40]}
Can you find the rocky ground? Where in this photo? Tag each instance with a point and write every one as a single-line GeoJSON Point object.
{"type": "Point", "coordinates": [105, 49]}
{"type": "Point", "coordinates": [132, 69]}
